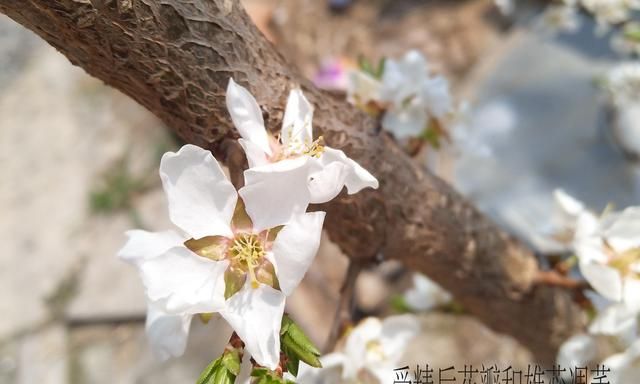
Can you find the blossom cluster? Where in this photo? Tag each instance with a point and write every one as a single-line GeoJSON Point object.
{"type": "Point", "coordinates": [411, 98]}
{"type": "Point", "coordinates": [235, 255]}
{"type": "Point", "coordinates": [370, 353]}
{"type": "Point", "coordinates": [607, 248]}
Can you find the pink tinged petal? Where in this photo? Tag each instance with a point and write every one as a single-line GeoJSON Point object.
{"type": "Point", "coordinates": [604, 280]}
{"type": "Point", "coordinates": [274, 193]}
{"type": "Point", "coordinates": [201, 199]}
{"type": "Point", "coordinates": [247, 117]}
{"type": "Point", "coordinates": [167, 333]}
{"type": "Point", "coordinates": [142, 245]}
{"type": "Point", "coordinates": [298, 115]}
{"type": "Point", "coordinates": [338, 171]}
{"type": "Point", "coordinates": [256, 316]}
{"type": "Point", "coordinates": [181, 281]}
{"type": "Point", "coordinates": [295, 247]}
{"type": "Point", "coordinates": [255, 155]}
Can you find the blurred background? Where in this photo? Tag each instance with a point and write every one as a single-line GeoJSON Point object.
{"type": "Point", "coordinates": [79, 167]}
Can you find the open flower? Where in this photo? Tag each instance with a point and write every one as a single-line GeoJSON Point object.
{"type": "Point", "coordinates": [219, 261]}
{"type": "Point", "coordinates": [288, 172]}
{"type": "Point", "coordinates": [411, 98]}
{"type": "Point", "coordinates": [608, 251]}
{"type": "Point", "coordinates": [371, 353]}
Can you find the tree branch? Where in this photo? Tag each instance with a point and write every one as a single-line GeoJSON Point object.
{"type": "Point", "coordinates": [175, 58]}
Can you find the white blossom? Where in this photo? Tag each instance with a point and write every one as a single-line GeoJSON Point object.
{"type": "Point", "coordinates": [413, 96]}
{"type": "Point", "coordinates": [288, 173]}
{"type": "Point", "coordinates": [608, 12]}
{"type": "Point", "coordinates": [371, 353]}
{"type": "Point", "coordinates": [409, 95]}
{"type": "Point", "coordinates": [425, 294]}
{"type": "Point", "coordinates": [218, 260]}
{"type": "Point", "coordinates": [622, 84]}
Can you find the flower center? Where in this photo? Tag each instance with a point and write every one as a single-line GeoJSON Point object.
{"type": "Point", "coordinates": [295, 147]}
{"type": "Point", "coordinates": [626, 262]}
{"type": "Point", "coordinates": [246, 253]}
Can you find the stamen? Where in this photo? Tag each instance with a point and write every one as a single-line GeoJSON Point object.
{"type": "Point", "coordinates": [246, 253]}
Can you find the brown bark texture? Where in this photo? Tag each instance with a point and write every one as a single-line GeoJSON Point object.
{"type": "Point", "coordinates": [175, 57]}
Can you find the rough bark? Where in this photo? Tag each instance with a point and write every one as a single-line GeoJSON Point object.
{"type": "Point", "coordinates": [175, 58]}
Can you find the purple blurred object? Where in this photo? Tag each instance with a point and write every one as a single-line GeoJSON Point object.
{"type": "Point", "coordinates": [339, 5]}
{"type": "Point", "coordinates": [331, 75]}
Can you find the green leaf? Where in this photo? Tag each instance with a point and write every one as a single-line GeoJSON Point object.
{"type": "Point", "coordinates": [208, 372]}
{"type": "Point", "coordinates": [293, 363]}
{"type": "Point", "coordinates": [222, 370]}
{"type": "Point", "coordinates": [297, 346]}
{"type": "Point", "coordinates": [231, 361]}
{"type": "Point", "coordinates": [300, 352]}
{"type": "Point", "coordinates": [399, 304]}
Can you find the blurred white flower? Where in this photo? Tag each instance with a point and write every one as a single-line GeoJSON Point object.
{"type": "Point", "coordinates": [506, 7]}
{"type": "Point", "coordinates": [561, 18]}
{"type": "Point", "coordinates": [413, 96]}
{"type": "Point", "coordinates": [222, 263]}
{"type": "Point", "coordinates": [578, 351]}
{"type": "Point", "coordinates": [609, 12]}
{"type": "Point", "coordinates": [619, 321]}
{"type": "Point", "coordinates": [625, 367]}
{"type": "Point", "coordinates": [288, 173]}
{"type": "Point", "coordinates": [425, 294]}
{"type": "Point", "coordinates": [628, 41]}
{"type": "Point", "coordinates": [371, 353]}
{"type": "Point", "coordinates": [622, 82]}
{"type": "Point", "coordinates": [410, 97]}
{"type": "Point", "coordinates": [564, 219]}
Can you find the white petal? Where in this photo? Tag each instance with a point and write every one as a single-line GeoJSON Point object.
{"type": "Point", "coordinates": [625, 367]}
{"type": "Point", "coordinates": [362, 87]}
{"type": "Point", "coordinates": [256, 316]}
{"type": "Point", "coordinates": [425, 294]}
{"type": "Point", "coordinates": [624, 232]}
{"type": "Point", "coordinates": [201, 199]}
{"type": "Point", "coordinates": [567, 203]}
{"type": "Point", "coordinates": [167, 334]}
{"type": "Point", "coordinates": [631, 293]}
{"type": "Point", "coordinates": [437, 97]}
{"type": "Point", "coordinates": [405, 123]}
{"type": "Point", "coordinates": [578, 351]}
{"type": "Point", "coordinates": [297, 119]}
{"type": "Point", "coordinates": [617, 320]}
{"type": "Point", "coordinates": [331, 371]}
{"type": "Point", "coordinates": [273, 193]}
{"type": "Point", "coordinates": [255, 156]}
{"type": "Point", "coordinates": [396, 334]}
{"type": "Point", "coordinates": [355, 348]}
{"type": "Point", "coordinates": [246, 367]}
{"type": "Point", "coordinates": [182, 281]}
{"type": "Point", "coordinates": [247, 117]}
{"type": "Point", "coordinates": [327, 183]}
{"type": "Point", "coordinates": [144, 245]}
{"type": "Point", "coordinates": [604, 280]}
{"type": "Point", "coordinates": [295, 247]}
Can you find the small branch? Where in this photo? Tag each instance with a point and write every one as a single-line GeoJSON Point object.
{"type": "Point", "coordinates": [346, 304]}
{"type": "Point", "coordinates": [555, 278]}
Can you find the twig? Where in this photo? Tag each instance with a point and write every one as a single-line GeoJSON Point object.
{"type": "Point", "coordinates": [346, 304]}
